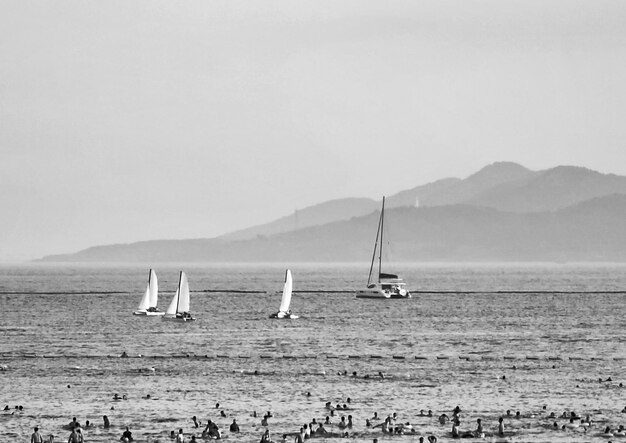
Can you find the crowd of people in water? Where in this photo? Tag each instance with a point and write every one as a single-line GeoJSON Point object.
{"type": "Point", "coordinates": [339, 422]}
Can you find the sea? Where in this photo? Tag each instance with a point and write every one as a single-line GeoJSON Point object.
{"type": "Point", "coordinates": [545, 340]}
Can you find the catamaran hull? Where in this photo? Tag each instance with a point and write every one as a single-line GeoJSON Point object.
{"type": "Point", "coordinates": [381, 294]}
{"type": "Point", "coordinates": [178, 319]}
{"type": "Point", "coordinates": [149, 314]}
{"type": "Point", "coordinates": [283, 315]}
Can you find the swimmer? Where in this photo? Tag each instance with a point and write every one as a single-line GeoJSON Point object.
{"type": "Point", "coordinates": [432, 439]}
{"type": "Point", "coordinates": [349, 421]}
{"type": "Point", "coordinates": [195, 421]}
{"type": "Point", "coordinates": [87, 424]}
{"type": "Point", "coordinates": [265, 438]}
{"type": "Point", "coordinates": [73, 424]}
{"type": "Point", "coordinates": [180, 438]}
{"type": "Point", "coordinates": [127, 435]}
{"type": "Point", "coordinates": [300, 436]}
{"type": "Point", "coordinates": [223, 414]}
{"type": "Point", "coordinates": [443, 419]}
{"type": "Point", "coordinates": [501, 427]}
{"type": "Point", "coordinates": [74, 438]}
{"type": "Point", "coordinates": [430, 413]}
{"type": "Point", "coordinates": [264, 421]}
{"type": "Point", "coordinates": [106, 421]}
{"type": "Point", "coordinates": [327, 422]}
{"type": "Point", "coordinates": [479, 429]}
{"type": "Point", "coordinates": [36, 436]}
{"type": "Point", "coordinates": [342, 423]}
{"type": "Point", "coordinates": [234, 427]}
{"type": "Point", "coordinates": [455, 430]}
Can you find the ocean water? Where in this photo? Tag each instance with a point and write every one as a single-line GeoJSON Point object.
{"type": "Point", "coordinates": [533, 338]}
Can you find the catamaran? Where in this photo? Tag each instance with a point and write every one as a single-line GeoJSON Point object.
{"type": "Point", "coordinates": [148, 304]}
{"type": "Point", "coordinates": [284, 311]}
{"type": "Point", "coordinates": [178, 310]}
{"type": "Point", "coordinates": [386, 285]}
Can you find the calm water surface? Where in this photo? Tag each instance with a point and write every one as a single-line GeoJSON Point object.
{"type": "Point", "coordinates": [489, 338]}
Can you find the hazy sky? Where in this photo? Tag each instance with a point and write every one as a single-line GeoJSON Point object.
{"type": "Point", "coordinates": [135, 120]}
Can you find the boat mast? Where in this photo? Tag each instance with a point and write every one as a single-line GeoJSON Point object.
{"type": "Point", "coordinates": [180, 278]}
{"type": "Point", "coordinates": [369, 277]}
{"type": "Point", "coordinates": [382, 227]}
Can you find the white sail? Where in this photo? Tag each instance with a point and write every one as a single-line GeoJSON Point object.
{"type": "Point", "coordinates": [183, 287]}
{"type": "Point", "coordinates": [153, 288]}
{"type": "Point", "coordinates": [171, 309]}
{"type": "Point", "coordinates": [286, 300]}
{"type": "Point", "coordinates": [144, 304]}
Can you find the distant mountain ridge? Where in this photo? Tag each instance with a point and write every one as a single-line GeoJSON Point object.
{"type": "Point", "coordinates": [590, 231]}
{"type": "Point", "coordinates": [502, 212]}
{"type": "Point", "coordinates": [506, 186]}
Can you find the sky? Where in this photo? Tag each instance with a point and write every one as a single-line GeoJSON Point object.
{"type": "Point", "coordinates": [128, 121]}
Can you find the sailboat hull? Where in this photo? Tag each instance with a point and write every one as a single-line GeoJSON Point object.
{"type": "Point", "coordinates": [149, 313]}
{"type": "Point", "coordinates": [284, 315]}
{"type": "Point", "coordinates": [179, 319]}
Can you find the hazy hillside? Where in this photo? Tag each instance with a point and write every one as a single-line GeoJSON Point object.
{"type": "Point", "coordinates": [504, 185]}
{"type": "Point", "coordinates": [462, 191]}
{"type": "Point", "coordinates": [590, 231]}
{"type": "Point", "coordinates": [327, 212]}
{"type": "Point", "coordinates": [550, 190]}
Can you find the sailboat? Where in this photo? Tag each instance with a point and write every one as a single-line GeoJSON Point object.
{"type": "Point", "coordinates": [386, 285]}
{"type": "Point", "coordinates": [284, 311]}
{"type": "Point", "coordinates": [178, 310]}
{"type": "Point", "coordinates": [148, 304]}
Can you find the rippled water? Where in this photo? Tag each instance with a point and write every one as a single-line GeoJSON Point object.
{"type": "Point", "coordinates": [489, 338]}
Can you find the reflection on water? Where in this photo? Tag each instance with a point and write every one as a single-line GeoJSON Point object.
{"type": "Point", "coordinates": [480, 344]}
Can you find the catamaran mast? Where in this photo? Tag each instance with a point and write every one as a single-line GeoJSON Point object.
{"type": "Point", "coordinates": [382, 228]}
{"type": "Point", "coordinates": [369, 277]}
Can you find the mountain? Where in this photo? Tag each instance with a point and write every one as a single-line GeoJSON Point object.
{"type": "Point", "coordinates": [461, 191]}
{"type": "Point", "coordinates": [588, 231]}
{"type": "Point", "coordinates": [550, 190]}
{"type": "Point", "coordinates": [334, 210]}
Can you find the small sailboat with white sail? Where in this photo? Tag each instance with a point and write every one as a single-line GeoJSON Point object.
{"type": "Point", "coordinates": [385, 285]}
{"type": "Point", "coordinates": [284, 311]}
{"type": "Point", "coordinates": [148, 304]}
{"type": "Point", "coordinates": [178, 310]}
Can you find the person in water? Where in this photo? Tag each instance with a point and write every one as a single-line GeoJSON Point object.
{"type": "Point", "coordinates": [106, 421]}
{"type": "Point", "coordinates": [180, 438]}
{"type": "Point", "coordinates": [266, 438]}
{"type": "Point", "coordinates": [74, 438]}
{"type": "Point", "coordinates": [501, 427]}
{"type": "Point", "coordinates": [234, 427]}
{"type": "Point", "coordinates": [455, 429]}
{"type": "Point", "coordinates": [74, 424]}
{"type": "Point", "coordinates": [479, 429]}
{"type": "Point", "coordinates": [127, 435]}
{"type": "Point", "coordinates": [36, 436]}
